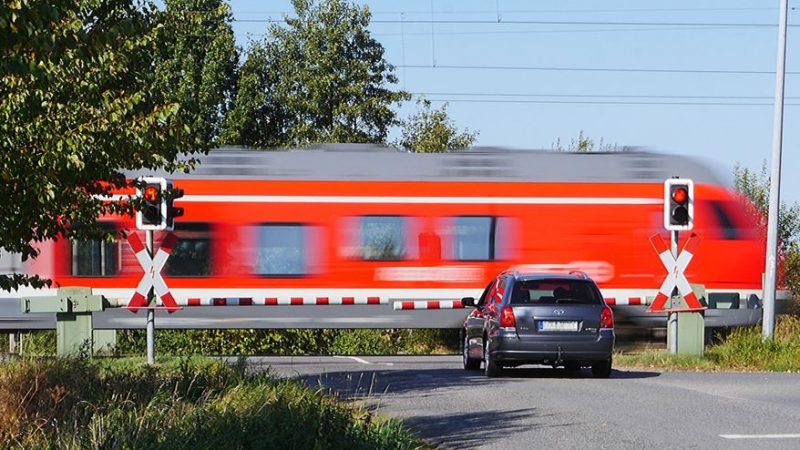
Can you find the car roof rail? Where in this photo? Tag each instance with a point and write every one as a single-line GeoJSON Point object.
{"type": "Point", "coordinates": [580, 273]}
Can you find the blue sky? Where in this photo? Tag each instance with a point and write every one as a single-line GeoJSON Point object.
{"type": "Point", "coordinates": [528, 107]}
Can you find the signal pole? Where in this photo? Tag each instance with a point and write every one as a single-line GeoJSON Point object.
{"type": "Point", "coordinates": [151, 313]}
{"type": "Point", "coordinates": [768, 319]}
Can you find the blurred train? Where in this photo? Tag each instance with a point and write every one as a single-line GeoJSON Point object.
{"type": "Point", "coordinates": [358, 225]}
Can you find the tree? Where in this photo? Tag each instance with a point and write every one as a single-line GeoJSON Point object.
{"type": "Point", "coordinates": [78, 104]}
{"type": "Point", "coordinates": [584, 144]}
{"type": "Point", "coordinates": [432, 130]}
{"type": "Point", "coordinates": [320, 78]}
{"type": "Point", "coordinates": [755, 187]}
{"type": "Point", "coordinates": [196, 63]}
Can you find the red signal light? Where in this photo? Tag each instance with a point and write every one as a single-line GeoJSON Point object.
{"type": "Point", "coordinates": [680, 195]}
{"type": "Point", "coordinates": [151, 194]}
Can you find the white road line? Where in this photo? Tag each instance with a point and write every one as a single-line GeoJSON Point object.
{"type": "Point", "coordinates": [761, 436]}
{"type": "Point", "coordinates": [354, 358]}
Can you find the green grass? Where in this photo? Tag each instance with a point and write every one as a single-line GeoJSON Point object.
{"type": "Point", "coordinates": [742, 350]}
{"type": "Point", "coordinates": [195, 403]}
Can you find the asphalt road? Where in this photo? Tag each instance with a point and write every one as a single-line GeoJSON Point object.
{"type": "Point", "coordinates": [540, 407]}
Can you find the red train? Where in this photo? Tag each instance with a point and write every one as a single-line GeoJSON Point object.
{"type": "Point", "coordinates": [393, 231]}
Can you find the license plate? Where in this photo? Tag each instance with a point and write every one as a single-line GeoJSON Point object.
{"type": "Point", "coordinates": [558, 325]}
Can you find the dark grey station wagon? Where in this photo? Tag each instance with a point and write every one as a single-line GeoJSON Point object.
{"type": "Point", "coordinates": [552, 319]}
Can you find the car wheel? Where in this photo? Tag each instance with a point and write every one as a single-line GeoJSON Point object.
{"type": "Point", "coordinates": [572, 366]}
{"type": "Point", "coordinates": [469, 363]}
{"type": "Point", "coordinates": [602, 369]}
{"type": "Point", "coordinates": [490, 367]}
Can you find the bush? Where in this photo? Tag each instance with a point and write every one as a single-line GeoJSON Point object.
{"type": "Point", "coordinates": [292, 342]}
{"type": "Point", "coordinates": [181, 403]}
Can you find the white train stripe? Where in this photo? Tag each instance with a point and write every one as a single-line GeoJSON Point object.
{"type": "Point", "coordinates": [420, 200]}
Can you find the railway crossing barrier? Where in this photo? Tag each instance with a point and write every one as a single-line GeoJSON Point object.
{"type": "Point", "coordinates": [75, 333]}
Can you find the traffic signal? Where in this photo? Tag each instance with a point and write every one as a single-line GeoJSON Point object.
{"type": "Point", "coordinates": [172, 210]}
{"type": "Point", "coordinates": [678, 204]}
{"type": "Point", "coordinates": [152, 215]}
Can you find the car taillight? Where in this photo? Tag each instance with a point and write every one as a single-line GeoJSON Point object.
{"type": "Point", "coordinates": [607, 318]}
{"type": "Point", "coordinates": [507, 319]}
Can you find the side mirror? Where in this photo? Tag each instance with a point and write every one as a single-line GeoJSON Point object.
{"type": "Point", "coordinates": [468, 301]}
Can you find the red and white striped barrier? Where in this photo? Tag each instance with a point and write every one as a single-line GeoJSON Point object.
{"type": "Point", "coordinates": [278, 301]}
{"type": "Point", "coordinates": [675, 272]}
{"type": "Point", "coordinates": [628, 301]}
{"type": "Point", "coordinates": [152, 273]}
{"type": "Point", "coordinates": [427, 304]}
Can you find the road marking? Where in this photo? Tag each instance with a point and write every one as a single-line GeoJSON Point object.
{"type": "Point", "coordinates": [354, 358]}
{"type": "Point", "coordinates": [761, 436]}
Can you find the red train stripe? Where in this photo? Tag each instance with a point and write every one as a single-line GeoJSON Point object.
{"type": "Point", "coordinates": [407, 305]}
{"type": "Point", "coordinates": [270, 301]}
{"type": "Point", "coordinates": [373, 300]}
{"type": "Point", "coordinates": [245, 301]}
{"type": "Point", "coordinates": [296, 301]}
{"type": "Point", "coordinates": [322, 300]}
{"type": "Point", "coordinates": [433, 304]}
{"type": "Point", "coordinates": [348, 300]}
{"type": "Point", "coordinates": [219, 301]}
{"type": "Point", "coordinates": [194, 302]}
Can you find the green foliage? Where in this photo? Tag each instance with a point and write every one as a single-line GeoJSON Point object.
{"type": "Point", "coordinates": [320, 78]}
{"type": "Point", "coordinates": [291, 342]}
{"type": "Point", "coordinates": [743, 349]}
{"type": "Point", "coordinates": [184, 403]}
{"type": "Point", "coordinates": [432, 131]}
{"type": "Point", "coordinates": [755, 186]}
{"type": "Point", "coordinates": [90, 88]}
{"type": "Point", "coordinates": [39, 343]}
{"type": "Point", "coordinates": [196, 63]}
{"type": "Point", "coordinates": [584, 144]}
{"type": "Point", "coordinates": [364, 342]}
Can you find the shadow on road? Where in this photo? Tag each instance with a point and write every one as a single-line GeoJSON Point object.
{"type": "Point", "coordinates": [372, 381]}
{"type": "Point", "coordinates": [469, 430]}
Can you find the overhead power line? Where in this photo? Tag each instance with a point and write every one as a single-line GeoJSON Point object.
{"type": "Point", "coordinates": [525, 95]}
{"type": "Point", "coordinates": [549, 22]}
{"type": "Point", "coordinates": [603, 102]}
{"type": "Point", "coordinates": [591, 69]}
{"type": "Point", "coordinates": [538, 11]}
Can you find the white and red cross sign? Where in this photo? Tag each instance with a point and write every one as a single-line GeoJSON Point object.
{"type": "Point", "coordinates": [152, 273]}
{"type": "Point", "coordinates": [676, 277]}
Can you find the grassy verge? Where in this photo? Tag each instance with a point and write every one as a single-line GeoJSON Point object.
{"type": "Point", "coordinates": [193, 403]}
{"type": "Point", "coordinates": [743, 350]}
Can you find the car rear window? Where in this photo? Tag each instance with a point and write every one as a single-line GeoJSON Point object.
{"type": "Point", "coordinates": [554, 291]}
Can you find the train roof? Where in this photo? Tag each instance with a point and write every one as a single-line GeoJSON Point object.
{"type": "Point", "coordinates": [366, 162]}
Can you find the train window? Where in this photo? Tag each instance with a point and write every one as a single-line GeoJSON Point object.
{"type": "Point", "coordinates": [95, 257]}
{"type": "Point", "coordinates": [383, 237]}
{"type": "Point", "coordinates": [282, 249]}
{"type": "Point", "coordinates": [191, 256]}
{"type": "Point", "coordinates": [727, 226]}
{"type": "Point", "coordinates": [472, 238]}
